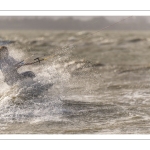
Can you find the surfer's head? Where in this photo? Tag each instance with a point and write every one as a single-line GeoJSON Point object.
{"type": "Point", "coordinates": [3, 52]}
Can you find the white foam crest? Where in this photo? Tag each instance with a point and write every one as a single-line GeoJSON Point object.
{"type": "Point", "coordinates": [54, 73]}
{"type": "Point", "coordinates": [44, 106]}
{"type": "Point", "coordinates": [16, 104]}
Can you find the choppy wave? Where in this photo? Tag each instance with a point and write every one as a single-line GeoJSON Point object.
{"type": "Point", "coordinates": [34, 100]}
{"type": "Point", "coordinates": [99, 86]}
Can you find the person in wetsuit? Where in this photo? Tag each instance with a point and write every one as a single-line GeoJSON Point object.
{"type": "Point", "coordinates": [9, 66]}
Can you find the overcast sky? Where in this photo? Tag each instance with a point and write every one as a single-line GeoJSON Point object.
{"type": "Point", "coordinates": [111, 18]}
{"type": "Point", "coordinates": [73, 23]}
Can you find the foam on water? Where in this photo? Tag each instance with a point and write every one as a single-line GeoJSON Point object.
{"type": "Point", "coordinates": [89, 94]}
{"type": "Point", "coordinates": [34, 101]}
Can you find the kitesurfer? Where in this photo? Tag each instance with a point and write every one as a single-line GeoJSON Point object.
{"type": "Point", "coordinates": [9, 66]}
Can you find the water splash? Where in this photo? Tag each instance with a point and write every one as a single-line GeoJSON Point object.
{"type": "Point", "coordinates": [35, 100]}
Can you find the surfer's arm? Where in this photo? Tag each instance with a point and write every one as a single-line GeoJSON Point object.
{"type": "Point", "coordinates": [17, 64]}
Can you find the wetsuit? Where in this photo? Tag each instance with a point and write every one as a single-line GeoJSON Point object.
{"type": "Point", "coordinates": [8, 68]}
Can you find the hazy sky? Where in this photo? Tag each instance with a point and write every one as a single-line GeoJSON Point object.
{"type": "Point", "coordinates": [112, 18]}
{"type": "Point", "coordinates": [82, 18]}
{"type": "Point", "coordinates": [77, 23]}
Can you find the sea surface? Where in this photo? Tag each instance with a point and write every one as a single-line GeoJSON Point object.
{"type": "Point", "coordinates": [90, 83]}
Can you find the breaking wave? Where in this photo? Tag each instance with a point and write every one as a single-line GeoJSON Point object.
{"type": "Point", "coordinates": [34, 100]}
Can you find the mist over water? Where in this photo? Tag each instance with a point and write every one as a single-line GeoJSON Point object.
{"type": "Point", "coordinates": [99, 84]}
